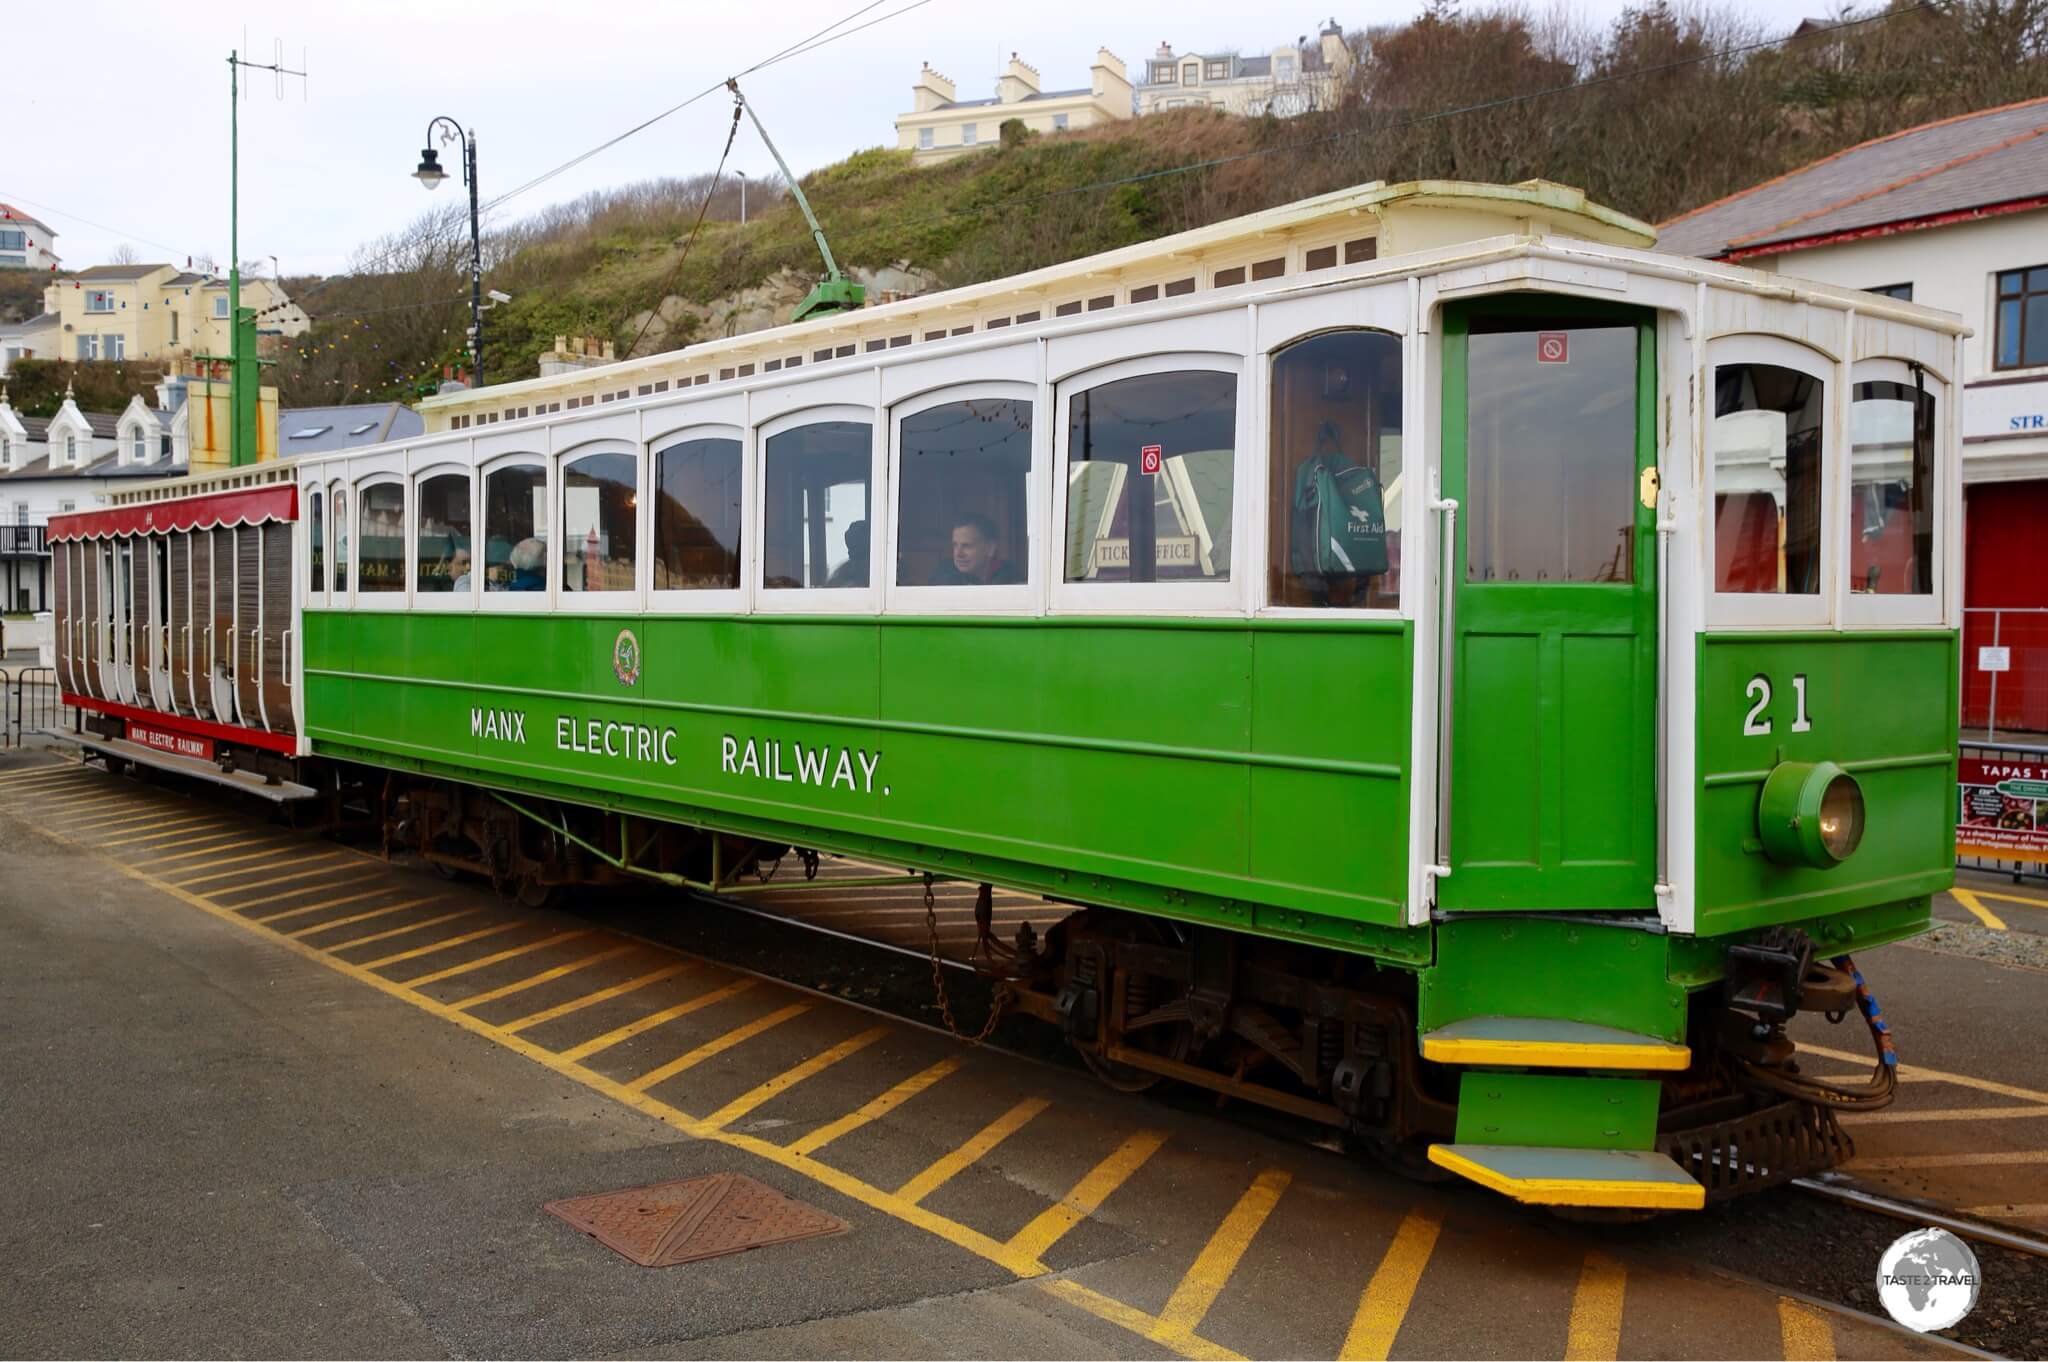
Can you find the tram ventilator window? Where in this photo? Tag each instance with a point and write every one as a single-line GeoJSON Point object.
{"type": "Point", "coordinates": [818, 506]}
{"type": "Point", "coordinates": [962, 498]}
{"type": "Point", "coordinates": [1149, 467]}
{"type": "Point", "coordinates": [1767, 479]}
{"type": "Point", "coordinates": [1891, 464]}
{"type": "Point", "coordinates": [697, 516]}
{"type": "Point", "coordinates": [1336, 472]}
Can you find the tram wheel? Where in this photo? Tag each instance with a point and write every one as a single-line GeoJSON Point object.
{"type": "Point", "coordinates": [531, 893]}
{"type": "Point", "coordinates": [1142, 996]}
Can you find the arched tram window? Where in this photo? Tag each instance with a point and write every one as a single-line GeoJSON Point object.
{"type": "Point", "coordinates": [817, 506]}
{"type": "Point", "coordinates": [1149, 469]}
{"type": "Point", "coordinates": [600, 494]}
{"type": "Point", "coordinates": [1336, 473]}
{"type": "Point", "coordinates": [381, 548]}
{"type": "Point", "coordinates": [1891, 461]}
{"type": "Point", "coordinates": [316, 539]}
{"type": "Point", "coordinates": [1767, 479]}
{"type": "Point", "coordinates": [961, 509]}
{"type": "Point", "coordinates": [516, 527]}
{"type": "Point", "coordinates": [697, 506]}
{"type": "Point", "coordinates": [442, 546]}
{"type": "Point", "coordinates": [339, 499]}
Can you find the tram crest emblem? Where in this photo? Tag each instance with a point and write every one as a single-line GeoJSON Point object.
{"type": "Point", "coordinates": [626, 658]}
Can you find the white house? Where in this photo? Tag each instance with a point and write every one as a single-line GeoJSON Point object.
{"type": "Point", "coordinates": [26, 243]}
{"type": "Point", "coordinates": [1952, 214]}
{"type": "Point", "coordinates": [1294, 78]}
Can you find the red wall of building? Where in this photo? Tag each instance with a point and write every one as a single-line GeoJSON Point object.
{"type": "Point", "coordinates": [2005, 564]}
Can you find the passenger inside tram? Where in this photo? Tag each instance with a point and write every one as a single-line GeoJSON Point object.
{"type": "Point", "coordinates": [1335, 490]}
{"type": "Point", "coordinates": [965, 467]}
{"type": "Point", "coordinates": [977, 557]}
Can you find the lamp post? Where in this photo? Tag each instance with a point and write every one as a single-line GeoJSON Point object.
{"type": "Point", "coordinates": [743, 196]}
{"type": "Point", "coordinates": [430, 174]}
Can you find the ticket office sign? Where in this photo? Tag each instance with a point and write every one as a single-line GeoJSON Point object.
{"type": "Point", "coordinates": [2002, 809]}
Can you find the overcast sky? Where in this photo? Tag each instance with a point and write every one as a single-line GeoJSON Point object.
{"type": "Point", "coordinates": [123, 138]}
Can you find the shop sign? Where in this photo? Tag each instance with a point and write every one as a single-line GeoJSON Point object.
{"type": "Point", "coordinates": [2002, 809]}
{"type": "Point", "coordinates": [178, 744]}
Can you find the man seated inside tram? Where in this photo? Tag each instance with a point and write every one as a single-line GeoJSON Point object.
{"type": "Point", "coordinates": [977, 555]}
{"type": "Point", "coordinates": [529, 566]}
{"type": "Point", "coordinates": [854, 571]}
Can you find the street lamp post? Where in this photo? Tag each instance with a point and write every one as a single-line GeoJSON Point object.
{"type": "Point", "coordinates": [430, 174]}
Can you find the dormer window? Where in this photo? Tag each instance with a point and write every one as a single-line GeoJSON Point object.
{"type": "Point", "coordinates": [138, 446]}
{"type": "Point", "coordinates": [1162, 73]}
{"type": "Point", "coordinates": [1216, 70]}
{"type": "Point", "coordinates": [1191, 74]}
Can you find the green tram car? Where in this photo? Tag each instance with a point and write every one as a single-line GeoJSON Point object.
{"type": "Point", "coordinates": [1473, 678]}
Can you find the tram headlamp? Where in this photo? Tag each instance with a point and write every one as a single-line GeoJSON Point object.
{"type": "Point", "coordinates": [1811, 813]}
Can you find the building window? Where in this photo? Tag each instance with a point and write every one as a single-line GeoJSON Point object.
{"type": "Point", "coordinates": [12, 239]}
{"type": "Point", "coordinates": [1335, 529]}
{"type": "Point", "coordinates": [2022, 318]}
{"type": "Point", "coordinates": [1321, 258]}
{"type": "Point", "coordinates": [1902, 292]}
{"type": "Point", "coordinates": [966, 134]}
{"type": "Point", "coordinates": [66, 507]}
{"type": "Point", "coordinates": [1145, 294]}
{"type": "Point", "coordinates": [961, 500]}
{"type": "Point", "coordinates": [599, 522]}
{"type": "Point", "coordinates": [88, 347]}
{"type": "Point", "coordinates": [220, 307]}
{"type": "Point", "coordinates": [515, 526]}
{"type": "Point", "coordinates": [1283, 68]}
{"type": "Point", "coordinates": [71, 450]}
{"type": "Point", "coordinates": [1191, 73]}
{"type": "Point", "coordinates": [99, 300]}
{"type": "Point", "coordinates": [1216, 70]}
{"type": "Point", "coordinates": [174, 327]}
{"type": "Point", "coordinates": [1059, 122]}
{"type": "Point", "coordinates": [1891, 490]}
{"type": "Point", "coordinates": [1126, 525]}
{"type": "Point", "coordinates": [926, 138]}
{"type": "Point", "coordinates": [1767, 479]}
{"type": "Point", "coordinates": [138, 445]}
{"type": "Point", "coordinates": [381, 547]}
{"type": "Point", "coordinates": [13, 260]}
{"type": "Point", "coordinates": [115, 346]}
{"type": "Point", "coordinates": [697, 516]}
{"type": "Point", "coordinates": [1269, 269]}
{"type": "Point", "coordinates": [817, 506]}
{"type": "Point", "coordinates": [441, 544]}
{"type": "Point", "coordinates": [1163, 73]}
{"type": "Point", "coordinates": [1227, 278]}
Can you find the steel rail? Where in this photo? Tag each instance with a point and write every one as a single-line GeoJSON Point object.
{"type": "Point", "coordinates": [1834, 1188]}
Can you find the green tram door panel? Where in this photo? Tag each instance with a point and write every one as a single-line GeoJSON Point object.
{"type": "Point", "coordinates": [1548, 428]}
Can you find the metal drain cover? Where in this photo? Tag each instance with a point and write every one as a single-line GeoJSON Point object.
{"type": "Point", "coordinates": [682, 1222]}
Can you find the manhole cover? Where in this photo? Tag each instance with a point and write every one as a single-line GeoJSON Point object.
{"type": "Point", "coordinates": [681, 1222]}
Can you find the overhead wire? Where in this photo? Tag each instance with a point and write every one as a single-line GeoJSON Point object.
{"type": "Point", "coordinates": [731, 135]}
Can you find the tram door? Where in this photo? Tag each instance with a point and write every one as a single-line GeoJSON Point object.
{"type": "Point", "coordinates": [1549, 427]}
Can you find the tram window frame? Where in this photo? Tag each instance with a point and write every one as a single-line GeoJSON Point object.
{"type": "Point", "coordinates": [516, 602]}
{"type": "Point", "coordinates": [1272, 504]}
{"type": "Point", "coordinates": [1229, 597]}
{"type": "Point", "coordinates": [1743, 608]}
{"type": "Point", "coordinates": [444, 601]}
{"type": "Point", "coordinates": [613, 599]}
{"type": "Point", "coordinates": [699, 600]}
{"type": "Point", "coordinates": [386, 597]}
{"type": "Point", "coordinates": [1025, 597]}
{"type": "Point", "coordinates": [341, 579]}
{"type": "Point", "coordinates": [819, 600]}
{"type": "Point", "coordinates": [314, 494]}
{"type": "Point", "coordinates": [1863, 609]}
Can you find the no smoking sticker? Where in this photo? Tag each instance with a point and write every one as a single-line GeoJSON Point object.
{"type": "Point", "coordinates": [1552, 347]}
{"type": "Point", "coordinates": [1148, 459]}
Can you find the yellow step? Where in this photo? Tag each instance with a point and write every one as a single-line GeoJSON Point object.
{"type": "Point", "coordinates": [1629, 1178]}
{"type": "Point", "coordinates": [1538, 1042]}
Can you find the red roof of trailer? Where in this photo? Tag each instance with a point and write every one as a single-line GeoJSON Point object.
{"type": "Point", "coordinates": [246, 506]}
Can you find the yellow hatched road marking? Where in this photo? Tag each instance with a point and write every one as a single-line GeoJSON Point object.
{"type": "Point", "coordinates": [293, 893]}
{"type": "Point", "coordinates": [214, 847]}
{"type": "Point", "coordinates": [514, 953]}
{"type": "Point", "coordinates": [1087, 1195]}
{"type": "Point", "coordinates": [654, 1019]}
{"type": "Point", "coordinates": [875, 1110]}
{"type": "Point", "coordinates": [72, 805]}
{"type": "Point", "coordinates": [1594, 1334]}
{"type": "Point", "coordinates": [272, 851]}
{"type": "Point", "coordinates": [160, 830]}
{"type": "Point", "coordinates": [1219, 1257]}
{"type": "Point", "coordinates": [789, 1078]}
{"type": "Point", "coordinates": [2007, 896]}
{"type": "Point", "coordinates": [1384, 1304]}
{"type": "Point", "coordinates": [544, 977]}
{"type": "Point", "coordinates": [388, 933]}
{"type": "Point", "coordinates": [548, 1014]}
{"type": "Point", "coordinates": [1137, 1321]}
{"type": "Point", "coordinates": [1806, 1334]}
{"type": "Point", "coordinates": [462, 940]}
{"type": "Point", "coordinates": [1978, 1160]}
{"type": "Point", "coordinates": [130, 814]}
{"type": "Point", "coordinates": [352, 918]}
{"type": "Point", "coordinates": [41, 769]}
{"type": "Point", "coordinates": [717, 1046]}
{"type": "Point", "coordinates": [1917, 1073]}
{"type": "Point", "coordinates": [327, 869]}
{"type": "Point", "coordinates": [85, 789]}
{"type": "Point", "coordinates": [1901, 1118]}
{"type": "Point", "coordinates": [1978, 910]}
{"type": "Point", "coordinates": [988, 1137]}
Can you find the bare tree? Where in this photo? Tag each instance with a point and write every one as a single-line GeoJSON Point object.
{"type": "Point", "coordinates": [123, 254]}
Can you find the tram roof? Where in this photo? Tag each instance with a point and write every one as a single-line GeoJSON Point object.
{"type": "Point", "coordinates": [1399, 218]}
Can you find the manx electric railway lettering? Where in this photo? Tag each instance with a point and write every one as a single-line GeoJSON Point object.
{"type": "Point", "coordinates": [1474, 677]}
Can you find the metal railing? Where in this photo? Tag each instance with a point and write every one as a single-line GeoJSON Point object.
{"type": "Point", "coordinates": [2000, 826]}
{"type": "Point", "coordinates": [25, 540]}
{"type": "Point", "coordinates": [30, 703]}
{"type": "Point", "coordinates": [2011, 693]}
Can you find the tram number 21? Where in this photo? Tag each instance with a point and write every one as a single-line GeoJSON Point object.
{"type": "Point", "coordinates": [1758, 692]}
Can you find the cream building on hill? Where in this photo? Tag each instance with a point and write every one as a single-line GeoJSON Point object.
{"type": "Point", "coordinates": [941, 125]}
{"type": "Point", "coordinates": [154, 312]}
{"type": "Point", "coordinates": [1303, 76]}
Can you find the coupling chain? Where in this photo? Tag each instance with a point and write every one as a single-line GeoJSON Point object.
{"type": "Point", "coordinates": [995, 1011]}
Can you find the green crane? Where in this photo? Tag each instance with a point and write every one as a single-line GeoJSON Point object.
{"type": "Point", "coordinates": [835, 292]}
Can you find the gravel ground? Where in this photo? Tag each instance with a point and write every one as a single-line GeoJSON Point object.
{"type": "Point", "coordinates": [2025, 949]}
